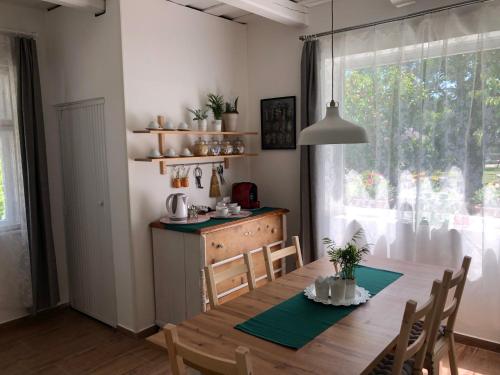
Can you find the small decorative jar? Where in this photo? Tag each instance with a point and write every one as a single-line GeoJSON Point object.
{"type": "Point", "coordinates": [200, 148]}
{"type": "Point", "coordinates": [227, 148]}
{"type": "Point", "coordinates": [214, 148]}
{"type": "Point", "coordinates": [322, 285]}
{"type": "Point", "coordinates": [238, 147]}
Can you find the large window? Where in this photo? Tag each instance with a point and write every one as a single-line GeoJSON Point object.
{"type": "Point", "coordinates": [9, 194]}
{"type": "Point", "coordinates": [426, 188]}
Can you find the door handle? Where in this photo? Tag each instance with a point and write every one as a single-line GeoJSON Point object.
{"type": "Point", "coordinates": [101, 203]}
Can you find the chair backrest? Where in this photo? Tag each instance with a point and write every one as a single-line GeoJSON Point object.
{"type": "Point", "coordinates": [449, 310]}
{"type": "Point", "coordinates": [213, 278]}
{"type": "Point", "coordinates": [271, 257]}
{"type": "Point", "coordinates": [406, 350]}
{"type": "Point", "coordinates": [182, 355]}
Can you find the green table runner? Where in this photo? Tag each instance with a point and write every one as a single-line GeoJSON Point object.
{"type": "Point", "coordinates": [194, 228]}
{"type": "Point", "coordinates": [298, 320]}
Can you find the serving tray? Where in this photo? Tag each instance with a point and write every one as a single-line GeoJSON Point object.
{"type": "Point", "coordinates": [195, 220]}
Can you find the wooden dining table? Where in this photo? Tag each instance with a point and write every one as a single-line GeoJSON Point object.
{"type": "Point", "coordinates": [351, 346]}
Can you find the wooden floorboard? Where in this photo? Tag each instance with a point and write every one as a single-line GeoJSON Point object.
{"type": "Point", "coordinates": [66, 342]}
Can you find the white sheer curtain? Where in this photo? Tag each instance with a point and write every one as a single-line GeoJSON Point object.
{"type": "Point", "coordinates": [15, 279]}
{"type": "Point", "coordinates": [427, 186]}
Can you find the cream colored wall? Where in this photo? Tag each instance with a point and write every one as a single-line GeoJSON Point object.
{"type": "Point", "coordinates": [274, 53]}
{"type": "Point", "coordinates": [84, 62]}
{"type": "Point", "coordinates": [173, 56]}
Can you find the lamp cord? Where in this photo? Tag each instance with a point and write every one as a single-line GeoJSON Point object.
{"type": "Point", "coordinates": [332, 103]}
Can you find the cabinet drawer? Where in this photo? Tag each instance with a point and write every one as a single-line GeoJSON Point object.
{"type": "Point", "coordinates": [238, 239]}
{"type": "Point", "coordinates": [234, 241]}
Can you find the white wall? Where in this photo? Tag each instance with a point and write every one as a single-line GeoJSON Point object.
{"type": "Point", "coordinates": [274, 53]}
{"type": "Point", "coordinates": [84, 62]}
{"type": "Point", "coordinates": [173, 56]}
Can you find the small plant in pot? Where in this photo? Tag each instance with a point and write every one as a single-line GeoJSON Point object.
{"type": "Point", "coordinates": [201, 116]}
{"type": "Point", "coordinates": [347, 258]}
{"type": "Point", "coordinates": [230, 116]}
{"type": "Point", "coordinates": [216, 105]}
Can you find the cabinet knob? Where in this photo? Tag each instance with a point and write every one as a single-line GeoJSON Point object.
{"type": "Point", "coordinates": [273, 230]}
{"type": "Point", "coordinates": [219, 246]}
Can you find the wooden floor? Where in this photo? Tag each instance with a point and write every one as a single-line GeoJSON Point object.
{"type": "Point", "coordinates": [67, 342]}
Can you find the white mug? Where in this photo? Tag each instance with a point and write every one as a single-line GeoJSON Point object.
{"type": "Point", "coordinates": [183, 126]}
{"type": "Point", "coordinates": [169, 125]}
{"type": "Point", "coordinates": [171, 152]}
{"type": "Point", "coordinates": [153, 125]}
{"type": "Point", "coordinates": [187, 152]}
{"type": "Point", "coordinates": [155, 153]}
{"type": "Point", "coordinates": [222, 211]}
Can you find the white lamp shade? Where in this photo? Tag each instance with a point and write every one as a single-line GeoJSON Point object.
{"type": "Point", "coordinates": [332, 130]}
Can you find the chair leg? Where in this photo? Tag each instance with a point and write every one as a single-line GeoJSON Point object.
{"type": "Point", "coordinates": [432, 366]}
{"type": "Point", "coordinates": [452, 355]}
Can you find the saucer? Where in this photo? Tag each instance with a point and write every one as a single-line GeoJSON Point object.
{"type": "Point", "coordinates": [172, 156]}
{"type": "Point", "coordinates": [183, 129]}
{"type": "Point", "coordinates": [187, 156]}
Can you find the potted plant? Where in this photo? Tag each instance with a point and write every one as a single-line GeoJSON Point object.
{"type": "Point", "coordinates": [216, 104]}
{"type": "Point", "coordinates": [201, 116]}
{"type": "Point", "coordinates": [230, 116]}
{"type": "Point", "coordinates": [347, 258]}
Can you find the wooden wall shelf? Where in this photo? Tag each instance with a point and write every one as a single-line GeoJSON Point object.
{"type": "Point", "coordinates": [195, 159]}
{"type": "Point", "coordinates": [165, 162]}
{"type": "Point", "coordinates": [190, 132]}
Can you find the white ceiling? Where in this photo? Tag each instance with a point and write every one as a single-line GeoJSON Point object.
{"type": "Point", "coordinates": [29, 3]}
{"type": "Point", "coordinates": [213, 7]}
{"type": "Point", "coordinates": [219, 9]}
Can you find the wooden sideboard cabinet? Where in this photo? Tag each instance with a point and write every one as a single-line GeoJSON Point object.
{"type": "Point", "coordinates": [181, 253]}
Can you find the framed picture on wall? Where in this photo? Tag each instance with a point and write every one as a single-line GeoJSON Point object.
{"type": "Point", "coordinates": [278, 123]}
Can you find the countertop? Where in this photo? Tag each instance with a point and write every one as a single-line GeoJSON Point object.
{"type": "Point", "coordinates": [214, 225]}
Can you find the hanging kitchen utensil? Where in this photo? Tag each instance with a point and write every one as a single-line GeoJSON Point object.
{"type": "Point", "coordinates": [214, 184]}
{"type": "Point", "coordinates": [220, 171]}
{"type": "Point", "coordinates": [197, 176]}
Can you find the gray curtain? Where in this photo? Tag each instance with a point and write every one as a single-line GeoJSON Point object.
{"type": "Point", "coordinates": [36, 188]}
{"type": "Point", "coordinates": [310, 113]}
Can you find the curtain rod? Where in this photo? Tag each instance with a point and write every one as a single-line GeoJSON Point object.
{"type": "Point", "coordinates": [17, 32]}
{"type": "Point", "coordinates": [395, 19]}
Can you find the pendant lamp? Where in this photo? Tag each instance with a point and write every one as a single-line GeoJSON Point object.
{"type": "Point", "coordinates": [332, 129]}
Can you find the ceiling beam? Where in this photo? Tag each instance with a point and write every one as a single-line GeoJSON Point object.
{"type": "Point", "coordinates": [282, 11]}
{"type": "Point", "coordinates": [95, 6]}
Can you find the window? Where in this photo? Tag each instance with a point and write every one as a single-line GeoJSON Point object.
{"type": "Point", "coordinates": [9, 194]}
{"type": "Point", "coordinates": [426, 188]}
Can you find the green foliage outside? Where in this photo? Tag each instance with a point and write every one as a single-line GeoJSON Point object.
{"type": "Point", "coordinates": [449, 118]}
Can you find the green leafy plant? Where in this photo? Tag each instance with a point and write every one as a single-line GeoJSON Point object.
{"type": "Point", "coordinates": [216, 104]}
{"type": "Point", "coordinates": [199, 114]}
{"type": "Point", "coordinates": [232, 107]}
{"type": "Point", "coordinates": [347, 257]}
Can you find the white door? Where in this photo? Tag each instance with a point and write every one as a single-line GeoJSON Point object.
{"type": "Point", "coordinates": [86, 209]}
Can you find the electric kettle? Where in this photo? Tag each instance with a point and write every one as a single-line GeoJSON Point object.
{"type": "Point", "coordinates": [177, 206]}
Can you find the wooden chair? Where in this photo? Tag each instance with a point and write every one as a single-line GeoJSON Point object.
{"type": "Point", "coordinates": [442, 339]}
{"type": "Point", "coordinates": [182, 355]}
{"type": "Point", "coordinates": [271, 257]}
{"type": "Point", "coordinates": [213, 278]}
{"type": "Point", "coordinates": [408, 356]}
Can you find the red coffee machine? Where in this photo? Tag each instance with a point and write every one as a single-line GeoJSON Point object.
{"type": "Point", "coordinates": [246, 195]}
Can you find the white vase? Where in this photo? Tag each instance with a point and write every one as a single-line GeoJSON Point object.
{"type": "Point", "coordinates": [202, 125]}
{"type": "Point", "coordinates": [337, 286]}
{"type": "Point", "coordinates": [217, 125]}
{"type": "Point", "coordinates": [230, 122]}
{"type": "Point", "coordinates": [322, 286]}
{"type": "Point", "coordinates": [350, 289]}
